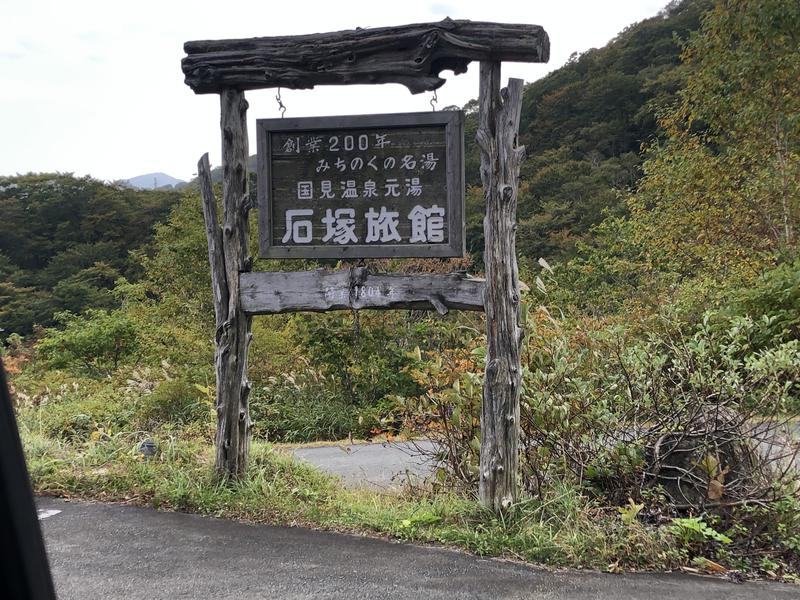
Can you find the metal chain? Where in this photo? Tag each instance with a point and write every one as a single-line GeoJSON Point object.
{"type": "Point", "coordinates": [281, 106]}
{"type": "Point", "coordinates": [434, 101]}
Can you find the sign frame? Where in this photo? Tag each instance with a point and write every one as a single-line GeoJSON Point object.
{"type": "Point", "coordinates": [453, 122]}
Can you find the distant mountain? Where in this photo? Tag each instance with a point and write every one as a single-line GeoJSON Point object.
{"type": "Point", "coordinates": [154, 181]}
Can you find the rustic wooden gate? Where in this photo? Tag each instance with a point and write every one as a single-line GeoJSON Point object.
{"type": "Point", "coordinates": [412, 55]}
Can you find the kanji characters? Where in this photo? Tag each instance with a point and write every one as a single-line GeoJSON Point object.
{"type": "Point", "coordinates": [298, 230]}
{"type": "Point", "coordinates": [413, 187]}
{"type": "Point", "coordinates": [408, 162]}
{"type": "Point", "coordinates": [429, 161]}
{"type": "Point", "coordinates": [364, 170]}
{"type": "Point", "coordinates": [349, 189]}
{"type": "Point", "coordinates": [340, 226]}
{"type": "Point", "coordinates": [305, 190]}
{"type": "Point", "coordinates": [392, 188]}
{"type": "Point", "coordinates": [382, 140]}
{"type": "Point", "coordinates": [382, 226]}
{"type": "Point", "coordinates": [326, 190]}
{"type": "Point", "coordinates": [370, 189]}
{"type": "Point", "coordinates": [292, 144]}
{"type": "Point", "coordinates": [427, 224]}
{"type": "Point", "coordinates": [313, 143]}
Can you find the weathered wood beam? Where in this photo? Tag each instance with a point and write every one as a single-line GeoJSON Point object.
{"type": "Point", "coordinates": [228, 255]}
{"type": "Point", "coordinates": [501, 157]}
{"type": "Point", "coordinates": [216, 258]}
{"type": "Point", "coordinates": [357, 288]}
{"type": "Point", "coordinates": [412, 55]}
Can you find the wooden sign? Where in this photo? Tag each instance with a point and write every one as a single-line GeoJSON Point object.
{"type": "Point", "coordinates": [362, 186]}
{"type": "Point", "coordinates": [370, 186]}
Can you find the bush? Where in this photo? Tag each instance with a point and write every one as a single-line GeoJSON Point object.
{"type": "Point", "coordinates": [306, 407]}
{"type": "Point", "coordinates": [78, 412]}
{"type": "Point", "coordinates": [95, 342]}
{"type": "Point", "coordinates": [365, 356]}
{"type": "Point", "coordinates": [703, 416]}
{"type": "Point", "coordinates": [773, 301]}
{"type": "Point", "coordinates": [449, 410]}
{"type": "Point", "coordinates": [177, 402]}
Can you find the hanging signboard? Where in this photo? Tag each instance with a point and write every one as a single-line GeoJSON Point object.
{"type": "Point", "coordinates": [362, 186]}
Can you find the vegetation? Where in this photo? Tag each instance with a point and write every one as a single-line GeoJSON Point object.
{"type": "Point", "coordinates": [64, 241]}
{"type": "Point", "coordinates": [583, 126]}
{"type": "Point", "coordinates": [662, 334]}
{"type": "Point", "coordinates": [562, 531]}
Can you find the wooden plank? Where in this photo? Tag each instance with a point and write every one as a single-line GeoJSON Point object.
{"type": "Point", "coordinates": [357, 288]}
{"type": "Point", "coordinates": [499, 114]}
{"type": "Point", "coordinates": [412, 55]}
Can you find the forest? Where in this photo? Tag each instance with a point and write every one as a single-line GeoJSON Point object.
{"type": "Point", "coordinates": [658, 233]}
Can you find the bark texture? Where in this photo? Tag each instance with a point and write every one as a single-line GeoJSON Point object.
{"type": "Point", "coordinates": [412, 55]}
{"type": "Point", "coordinates": [499, 115]}
{"type": "Point", "coordinates": [229, 256]}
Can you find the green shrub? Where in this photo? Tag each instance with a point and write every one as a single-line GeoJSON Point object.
{"type": "Point", "coordinates": [773, 301]}
{"type": "Point", "coordinates": [95, 342]}
{"type": "Point", "coordinates": [307, 407]}
{"type": "Point", "coordinates": [603, 406]}
{"type": "Point", "coordinates": [76, 413]}
{"type": "Point", "coordinates": [365, 356]}
{"type": "Point", "coordinates": [177, 402]}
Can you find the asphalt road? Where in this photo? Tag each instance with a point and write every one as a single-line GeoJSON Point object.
{"type": "Point", "coordinates": [378, 466]}
{"type": "Point", "coordinates": [103, 551]}
{"type": "Point", "coordinates": [391, 465]}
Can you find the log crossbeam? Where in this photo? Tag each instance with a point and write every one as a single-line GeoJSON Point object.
{"type": "Point", "coordinates": [412, 55]}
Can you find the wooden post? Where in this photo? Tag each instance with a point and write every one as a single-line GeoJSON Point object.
{"type": "Point", "coordinates": [229, 256]}
{"type": "Point", "coordinates": [499, 114]}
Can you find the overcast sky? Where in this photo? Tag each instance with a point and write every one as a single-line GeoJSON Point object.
{"type": "Point", "coordinates": [95, 87]}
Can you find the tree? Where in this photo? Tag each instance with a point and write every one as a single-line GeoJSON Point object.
{"type": "Point", "coordinates": [583, 126]}
{"type": "Point", "coordinates": [96, 342]}
{"type": "Point", "coordinates": [724, 190]}
{"type": "Point", "coordinates": [64, 240]}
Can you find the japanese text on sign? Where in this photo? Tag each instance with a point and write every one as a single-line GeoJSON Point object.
{"type": "Point", "coordinates": [337, 192]}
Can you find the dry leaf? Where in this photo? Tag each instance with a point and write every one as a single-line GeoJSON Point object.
{"type": "Point", "coordinates": [714, 567]}
{"type": "Point", "coordinates": [715, 489]}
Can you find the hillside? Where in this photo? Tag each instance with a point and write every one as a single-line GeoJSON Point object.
{"type": "Point", "coordinates": [583, 126]}
{"type": "Point", "coordinates": [64, 241]}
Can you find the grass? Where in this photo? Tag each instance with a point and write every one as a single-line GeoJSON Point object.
{"type": "Point", "coordinates": [564, 530]}
{"type": "Point", "coordinates": [83, 443]}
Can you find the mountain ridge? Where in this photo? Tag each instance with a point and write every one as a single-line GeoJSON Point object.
{"type": "Point", "coordinates": [154, 181]}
